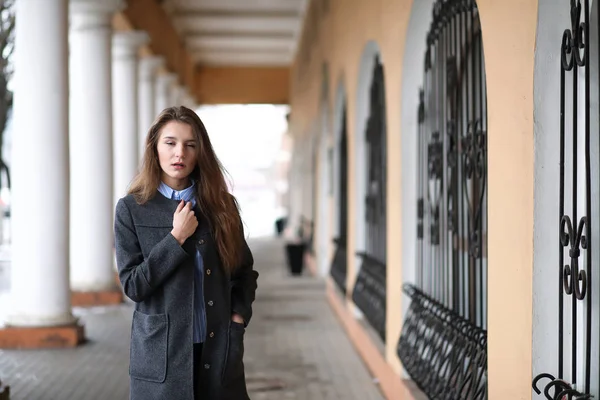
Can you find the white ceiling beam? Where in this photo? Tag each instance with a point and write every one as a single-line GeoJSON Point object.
{"type": "Point", "coordinates": [241, 59]}
{"type": "Point", "coordinates": [237, 24]}
{"type": "Point", "coordinates": [192, 33]}
{"type": "Point", "coordinates": [254, 5]}
{"type": "Point", "coordinates": [236, 42]}
{"type": "Point", "coordinates": [238, 13]}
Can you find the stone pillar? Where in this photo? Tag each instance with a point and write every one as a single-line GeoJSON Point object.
{"type": "Point", "coordinates": [147, 109]}
{"type": "Point", "coordinates": [40, 311]}
{"type": "Point", "coordinates": [163, 97]}
{"type": "Point", "coordinates": [188, 99]}
{"type": "Point", "coordinates": [92, 273]}
{"type": "Point", "coordinates": [185, 97]}
{"type": "Point", "coordinates": [125, 108]}
{"type": "Point", "coordinates": [177, 94]}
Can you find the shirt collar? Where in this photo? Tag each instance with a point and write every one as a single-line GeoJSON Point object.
{"type": "Point", "coordinates": [187, 194]}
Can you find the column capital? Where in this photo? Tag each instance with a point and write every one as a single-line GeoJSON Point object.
{"type": "Point", "coordinates": [167, 79]}
{"type": "Point", "coordinates": [188, 98]}
{"type": "Point", "coordinates": [126, 44]}
{"type": "Point", "coordinates": [149, 65]}
{"type": "Point", "coordinates": [86, 14]}
{"type": "Point", "coordinates": [95, 7]}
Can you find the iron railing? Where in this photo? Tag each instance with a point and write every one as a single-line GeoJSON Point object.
{"type": "Point", "coordinates": [340, 258]}
{"type": "Point", "coordinates": [574, 280]}
{"type": "Point", "coordinates": [444, 353]}
{"type": "Point", "coordinates": [369, 293]}
{"type": "Point", "coordinates": [443, 344]}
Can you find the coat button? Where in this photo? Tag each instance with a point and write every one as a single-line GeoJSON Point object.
{"type": "Point", "coordinates": [210, 303]}
{"type": "Point", "coordinates": [206, 366]}
{"type": "Point", "coordinates": [201, 241]}
{"type": "Point", "coordinates": [208, 272]}
{"type": "Point", "coordinates": [212, 334]}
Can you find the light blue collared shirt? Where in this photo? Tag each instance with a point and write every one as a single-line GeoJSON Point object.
{"type": "Point", "coordinates": [189, 194]}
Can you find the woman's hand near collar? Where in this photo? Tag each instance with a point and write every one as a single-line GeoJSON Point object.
{"type": "Point", "coordinates": [184, 222]}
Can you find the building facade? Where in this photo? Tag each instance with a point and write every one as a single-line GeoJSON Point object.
{"type": "Point", "coordinates": [445, 160]}
{"type": "Point", "coordinates": [453, 194]}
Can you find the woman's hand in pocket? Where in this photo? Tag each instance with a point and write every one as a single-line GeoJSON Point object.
{"type": "Point", "coordinates": [237, 318]}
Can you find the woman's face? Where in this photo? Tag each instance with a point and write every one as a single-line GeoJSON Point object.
{"type": "Point", "coordinates": [177, 153]}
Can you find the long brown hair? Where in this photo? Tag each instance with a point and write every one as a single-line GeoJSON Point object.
{"type": "Point", "coordinates": [214, 199]}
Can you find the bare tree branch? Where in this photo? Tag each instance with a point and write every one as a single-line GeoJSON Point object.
{"type": "Point", "coordinates": [7, 29]}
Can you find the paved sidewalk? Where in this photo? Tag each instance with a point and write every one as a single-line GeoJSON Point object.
{"type": "Point", "coordinates": [295, 348]}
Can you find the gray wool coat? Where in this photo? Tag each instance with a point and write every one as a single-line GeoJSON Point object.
{"type": "Point", "coordinates": [158, 275]}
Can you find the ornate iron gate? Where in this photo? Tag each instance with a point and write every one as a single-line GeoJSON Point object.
{"type": "Point", "coordinates": [339, 264]}
{"type": "Point", "coordinates": [443, 340]}
{"type": "Point", "coordinates": [574, 279]}
{"type": "Point", "coordinates": [369, 292]}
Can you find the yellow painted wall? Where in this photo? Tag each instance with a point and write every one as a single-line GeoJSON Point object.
{"type": "Point", "coordinates": [240, 85]}
{"type": "Point", "coordinates": [344, 32]}
{"type": "Point", "coordinates": [509, 44]}
{"type": "Point", "coordinates": [338, 39]}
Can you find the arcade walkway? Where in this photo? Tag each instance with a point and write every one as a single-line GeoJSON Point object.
{"type": "Point", "coordinates": [295, 347]}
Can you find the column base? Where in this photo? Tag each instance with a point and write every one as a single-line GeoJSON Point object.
{"type": "Point", "coordinates": [4, 392]}
{"type": "Point", "coordinates": [311, 263]}
{"type": "Point", "coordinates": [47, 337]}
{"type": "Point", "coordinates": [118, 281]}
{"type": "Point", "coordinates": [92, 299]}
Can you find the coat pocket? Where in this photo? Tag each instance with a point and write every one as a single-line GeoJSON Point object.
{"type": "Point", "coordinates": [234, 366]}
{"type": "Point", "coordinates": [148, 350]}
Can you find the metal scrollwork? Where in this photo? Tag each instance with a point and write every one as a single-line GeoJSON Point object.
{"type": "Point", "coordinates": [475, 162]}
{"type": "Point", "coordinates": [339, 263]}
{"type": "Point", "coordinates": [369, 293]}
{"type": "Point", "coordinates": [452, 157]}
{"type": "Point", "coordinates": [574, 294]}
{"type": "Point", "coordinates": [575, 240]}
{"type": "Point", "coordinates": [444, 354]}
{"type": "Point", "coordinates": [443, 343]}
{"type": "Point", "coordinates": [574, 39]}
{"type": "Point", "coordinates": [562, 390]}
{"type": "Point", "coordinates": [435, 170]}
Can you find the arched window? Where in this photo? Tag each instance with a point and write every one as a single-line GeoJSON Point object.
{"type": "Point", "coordinates": [340, 259]}
{"type": "Point", "coordinates": [369, 292]}
{"type": "Point", "coordinates": [443, 340]}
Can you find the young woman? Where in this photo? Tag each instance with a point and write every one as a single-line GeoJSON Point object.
{"type": "Point", "coordinates": [182, 258]}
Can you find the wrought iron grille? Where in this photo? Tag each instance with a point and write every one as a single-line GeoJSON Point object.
{"type": "Point", "coordinates": [443, 344]}
{"type": "Point", "coordinates": [339, 264]}
{"type": "Point", "coordinates": [575, 266]}
{"type": "Point", "coordinates": [369, 292]}
{"type": "Point", "coordinates": [310, 246]}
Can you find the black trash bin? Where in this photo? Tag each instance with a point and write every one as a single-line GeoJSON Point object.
{"type": "Point", "coordinates": [295, 257]}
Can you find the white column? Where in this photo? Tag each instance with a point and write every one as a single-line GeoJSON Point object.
{"type": "Point", "coordinates": [188, 99]}
{"type": "Point", "coordinates": [40, 291]}
{"type": "Point", "coordinates": [177, 93]}
{"type": "Point", "coordinates": [163, 92]}
{"type": "Point", "coordinates": [147, 109]}
{"type": "Point", "coordinates": [185, 97]}
{"type": "Point", "coordinates": [91, 145]}
{"type": "Point", "coordinates": [125, 108]}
